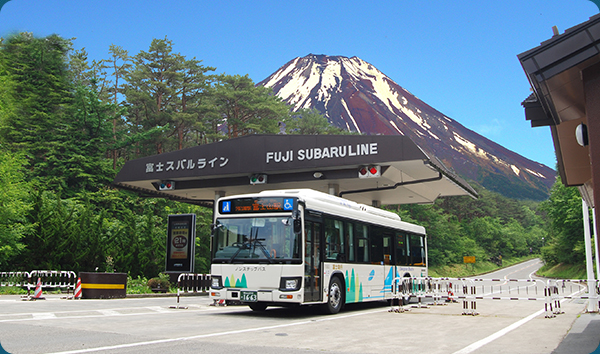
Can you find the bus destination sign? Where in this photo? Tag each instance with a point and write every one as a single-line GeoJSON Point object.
{"type": "Point", "coordinates": [256, 205]}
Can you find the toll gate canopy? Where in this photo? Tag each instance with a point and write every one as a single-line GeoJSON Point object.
{"type": "Point", "coordinates": [372, 170]}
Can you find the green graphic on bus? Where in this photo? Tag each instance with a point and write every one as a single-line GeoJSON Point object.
{"type": "Point", "coordinates": [354, 290]}
{"type": "Point", "coordinates": [233, 283]}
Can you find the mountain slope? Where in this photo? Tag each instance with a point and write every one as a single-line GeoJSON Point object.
{"type": "Point", "coordinates": [354, 95]}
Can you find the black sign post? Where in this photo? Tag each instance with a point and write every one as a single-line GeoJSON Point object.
{"type": "Point", "coordinates": [181, 241]}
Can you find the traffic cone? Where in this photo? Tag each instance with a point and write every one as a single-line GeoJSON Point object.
{"type": "Point", "coordinates": [37, 295]}
{"type": "Point", "coordinates": [77, 289]}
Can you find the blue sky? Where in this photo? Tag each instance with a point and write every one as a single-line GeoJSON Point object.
{"type": "Point", "coordinates": [460, 57]}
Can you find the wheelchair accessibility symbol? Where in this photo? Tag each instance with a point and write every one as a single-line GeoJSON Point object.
{"type": "Point", "coordinates": [288, 204]}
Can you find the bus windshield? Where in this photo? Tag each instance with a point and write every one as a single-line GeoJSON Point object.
{"type": "Point", "coordinates": [260, 239]}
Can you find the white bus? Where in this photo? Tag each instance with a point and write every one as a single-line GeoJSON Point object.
{"type": "Point", "coordinates": [293, 247]}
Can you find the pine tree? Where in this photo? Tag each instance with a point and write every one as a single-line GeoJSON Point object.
{"type": "Point", "coordinates": [151, 92]}
{"type": "Point", "coordinates": [246, 108]}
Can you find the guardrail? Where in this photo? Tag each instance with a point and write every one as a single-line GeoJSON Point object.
{"type": "Point", "coordinates": [469, 290]}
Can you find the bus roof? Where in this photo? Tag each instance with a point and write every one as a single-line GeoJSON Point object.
{"type": "Point", "coordinates": [333, 205]}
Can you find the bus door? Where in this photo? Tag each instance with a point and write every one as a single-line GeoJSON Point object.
{"type": "Point", "coordinates": [312, 261]}
{"type": "Point", "coordinates": [389, 261]}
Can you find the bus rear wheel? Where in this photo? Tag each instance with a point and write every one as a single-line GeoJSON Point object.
{"type": "Point", "coordinates": [335, 300]}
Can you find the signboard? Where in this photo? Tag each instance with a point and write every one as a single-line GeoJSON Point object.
{"type": "Point", "coordinates": [181, 241]}
{"type": "Point", "coordinates": [469, 259]}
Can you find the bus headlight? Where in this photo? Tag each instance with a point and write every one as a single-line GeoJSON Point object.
{"type": "Point", "coordinates": [290, 283]}
{"type": "Point", "coordinates": [215, 282]}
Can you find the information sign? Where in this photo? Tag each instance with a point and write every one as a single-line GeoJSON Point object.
{"type": "Point", "coordinates": [181, 240]}
{"type": "Point", "coordinates": [469, 259]}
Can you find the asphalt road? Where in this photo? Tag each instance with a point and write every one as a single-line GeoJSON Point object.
{"type": "Point", "coordinates": [149, 325]}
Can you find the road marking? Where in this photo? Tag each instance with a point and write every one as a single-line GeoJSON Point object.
{"type": "Point", "coordinates": [158, 309]}
{"type": "Point", "coordinates": [217, 334]}
{"type": "Point", "coordinates": [102, 313]}
{"type": "Point", "coordinates": [43, 315]}
{"type": "Point", "coordinates": [480, 343]}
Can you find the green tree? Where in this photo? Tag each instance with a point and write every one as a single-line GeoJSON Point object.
{"type": "Point", "coordinates": [192, 104]}
{"type": "Point", "coordinates": [14, 206]}
{"type": "Point", "coordinates": [311, 122]}
{"type": "Point", "coordinates": [565, 243]}
{"type": "Point", "coordinates": [247, 109]}
{"type": "Point", "coordinates": [40, 92]}
{"type": "Point", "coordinates": [119, 64]}
{"type": "Point", "coordinates": [56, 120]}
{"type": "Point", "coordinates": [151, 92]}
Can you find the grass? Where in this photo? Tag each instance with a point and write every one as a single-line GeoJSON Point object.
{"type": "Point", "coordinates": [563, 271]}
{"type": "Point", "coordinates": [479, 267]}
{"type": "Point", "coordinates": [138, 285]}
{"type": "Point", "coordinates": [12, 290]}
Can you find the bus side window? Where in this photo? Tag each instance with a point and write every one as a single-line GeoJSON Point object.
{"type": "Point", "coordinates": [376, 238]}
{"type": "Point", "coordinates": [417, 253]}
{"type": "Point", "coordinates": [401, 249]}
{"type": "Point", "coordinates": [362, 243]}
{"type": "Point", "coordinates": [334, 240]}
{"type": "Point", "coordinates": [350, 242]}
{"type": "Point", "coordinates": [362, 250]}
{"type": "Point", "coordinates": [388, 249]}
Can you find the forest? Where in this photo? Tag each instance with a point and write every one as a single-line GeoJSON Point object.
{"type": "Point", "coordinates": [67, 125]}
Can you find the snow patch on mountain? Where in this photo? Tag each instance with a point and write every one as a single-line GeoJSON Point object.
{"type": "Point", "coordinates": [515, 169]}
{"type": "Point", "coordinates": [350, 115]}
{"type": "Point", "coordinates": [537, 174]}
{"type": "Point", "coordinates": [396, 127]}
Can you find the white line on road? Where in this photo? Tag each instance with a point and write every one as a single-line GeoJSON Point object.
{"type": "Point", "coordinates": [480, 343]}
{"type": "Point", "coordinates": [200, 336]}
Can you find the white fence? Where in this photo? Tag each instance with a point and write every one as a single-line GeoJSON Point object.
{"type": "Point", "coordinates": [470, 290]}
{"type": "Point", "coordinates": [49, 279]}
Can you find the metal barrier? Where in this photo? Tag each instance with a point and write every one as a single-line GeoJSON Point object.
{"type": "Point", "coordinates": [54, 279]}
{"type": "Point", "coordinates": [469, 290]}
{"type": "Point", "coordinates": [191, 282]}
{"type": "Point", "coordinates": [14, 279]}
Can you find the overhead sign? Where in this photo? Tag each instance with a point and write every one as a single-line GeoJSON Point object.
{"type": "Point", "coordinates": [181, 240]}
{"type": "Point", "coordinates": [256, 205]}
{"type": "Point", "coordinates": [365, 169]}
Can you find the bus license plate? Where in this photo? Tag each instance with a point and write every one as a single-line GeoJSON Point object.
{"type": "Point", "coordinates": [248, 296]}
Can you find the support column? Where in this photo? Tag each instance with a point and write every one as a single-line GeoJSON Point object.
{"type": "Point", "coordinates": [592, 302]}
{"type": "Point", "coordinates": [591, 88]}
{"type": "Point", "coordinates": [334, 189]}
{"type": "Point", "coordinates": [219, 194]}
{"type": "Point", "coordinates": [591, 85]}
{"type": "Point", "coordinates": [597, 255]}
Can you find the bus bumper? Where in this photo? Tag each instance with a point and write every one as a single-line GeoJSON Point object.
{"type": "Point", "coordinates": [248, 295]}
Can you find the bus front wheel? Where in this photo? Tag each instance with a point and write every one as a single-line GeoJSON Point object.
{"type": "Point", "coordinates": [258, 306]}
{"type": "Point", "coordinates": [335, 299]}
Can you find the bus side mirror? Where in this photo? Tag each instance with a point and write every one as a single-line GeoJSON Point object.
{"type": "Point", "coordinates": [297, 222]}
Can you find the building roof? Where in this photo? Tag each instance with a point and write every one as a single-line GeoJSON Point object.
{"type": "Point", "coordinates": [554, 70]}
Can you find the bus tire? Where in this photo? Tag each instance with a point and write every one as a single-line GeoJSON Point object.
{"type": "Point", "coordinates": [335, 298]}
{"type": "Point", "coordinates": [258, 306]}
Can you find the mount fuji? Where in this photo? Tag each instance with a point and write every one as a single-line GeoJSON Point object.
{"type": "Point", "coordinates": [352, 94]}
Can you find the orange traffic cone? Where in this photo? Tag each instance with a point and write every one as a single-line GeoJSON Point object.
{"type": "Point", "coordinates": [37, 295]}
{"type": "Point", "coordinates": [77, 289]}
